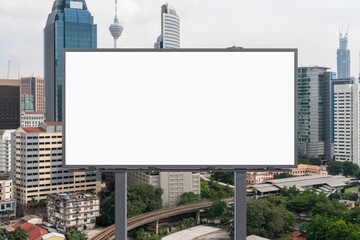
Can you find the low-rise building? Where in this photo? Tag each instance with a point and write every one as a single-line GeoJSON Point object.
{"type": "Point", "coordinates": [301, 171]}
{"type": "Point", "coordinates": [73, 211]}
{"type": "Point", "coordinates": [327, 184]}
{"type": "Point", "coordinates": [31, 119]}
{"type": "Point", "coordinates": [7, 202]}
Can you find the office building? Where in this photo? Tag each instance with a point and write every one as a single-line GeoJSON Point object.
{"type": "Point", "coordinates": [116, 28]}
{"type": "Point", "coordinates": [346, 122]}
{"type": "Point", "coordinates": [69, 25]}
{"type": "Point", "coordinates": [343, 57]}
{"type": "Point", "coordinates": [170, 28]}
{"type": "Point", "coordinates": [174, 184]}
{"type": "Point", "coordinates": [37, 166]}
{"type": "Point", "coordinates": [5, 150]}
{"type": "Point", "coordinates": [9, 104]}
{"type": "Point", "coordinates": [34, 86]}
{"type": "Point", "coordinates": [32, 119]}
{"type": "Point", "coordinates": [73, 211]}
{"type": "Point", "coordinates": [335, 81]}
{"type": "Point", "coordinates": [314, 112]}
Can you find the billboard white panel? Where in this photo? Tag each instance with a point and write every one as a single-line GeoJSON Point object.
{"type": "Point", "coordinates": [192, 108]}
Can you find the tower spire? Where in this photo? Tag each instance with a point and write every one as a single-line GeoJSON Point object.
{"type": "Point", "coordinates": [116, 9]}
{"type": "Point", "coordinates": [116, 28]}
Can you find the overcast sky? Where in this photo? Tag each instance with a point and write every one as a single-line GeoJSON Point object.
{"type": "Point", "coordinates": [312, 26]}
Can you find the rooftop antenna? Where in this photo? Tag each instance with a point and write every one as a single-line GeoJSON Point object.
{"type": "Point", "coordinates": [19, 75]}
{"type": "Point", "coordinates": [8, 72]}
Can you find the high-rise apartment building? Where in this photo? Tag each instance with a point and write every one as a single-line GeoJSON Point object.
{"type": "Point", "coordinates": [9, 104]}
{"type": "Point", "coordinates": [69, 25]}
{"type": "Point", "coordinates": [170, 28]}
{"type": "Point", "coordinates": [343, 57]}
{"type": "Point", "coordinates": [174, 184]}
{"type": "Point", "coordinates": [346, 122]}
{"type": "Point", "coordinates": [314, 112]}
{"type": "Point", "coordinates": [34, 86]}
{"type": "Point", "coordinates": [37, 165]}
{"type": "Point", "coordinates": [5, 150]}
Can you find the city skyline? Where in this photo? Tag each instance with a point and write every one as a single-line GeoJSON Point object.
{"type": "Point", "coordinates": [204, 24]}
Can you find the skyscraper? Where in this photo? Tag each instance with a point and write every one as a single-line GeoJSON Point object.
{"type": "Point", "coordinates": [69, 25]}
{"type": "Point", "coordinates": [170, 28]}
{"type": "Point", "coordinates": [9, 104]}
{"type": "Point", "coordinates": [116, 28]}
{"type": "Point", "coordinates": [343, 57]}
{"type": "Point", "coordinates": [314, 112]}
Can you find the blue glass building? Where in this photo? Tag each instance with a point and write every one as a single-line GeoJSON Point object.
{"type": "Point", "coordinates": [343, 57]}
{"type": "Point", "coordinates": [69, 25]}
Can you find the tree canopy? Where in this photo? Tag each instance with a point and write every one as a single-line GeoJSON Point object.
{"type": "Point", "coordinates": [325, 228]}
{"type": "Point", "coordinates": [141, 199]}
{"type": "Point", "coordinates": [224, 177]}
{"type": "Point", "coordinates": [268, 219]}
{"type": "Point", "coordinates": [189, 198]}
{"type": "Point", "coordinates": [18, 234]}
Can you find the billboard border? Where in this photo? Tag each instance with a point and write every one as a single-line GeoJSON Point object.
{"type": "Point", "coordinates": [178, 168]}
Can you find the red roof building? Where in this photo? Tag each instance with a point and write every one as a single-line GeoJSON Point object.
{"type": "Point", "coordinates": [34, 232]}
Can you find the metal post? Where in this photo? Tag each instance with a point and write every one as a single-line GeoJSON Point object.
{"type": "Point", "coordinates": [240, 206]}
{"type": "Point", "coordinates": [120, 206]}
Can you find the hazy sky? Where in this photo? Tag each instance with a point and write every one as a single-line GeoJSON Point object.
{"type": "Point", "coordinates": [312, 26]}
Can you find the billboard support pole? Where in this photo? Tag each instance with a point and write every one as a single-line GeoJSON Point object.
{"type": "Point", "coordinates": [121, 205]}
{"type": "Point", "coordinates": [240, 206]}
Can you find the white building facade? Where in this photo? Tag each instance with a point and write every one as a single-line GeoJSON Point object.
{"type": "Point", "coordinates": [5, 150]}
{"type": "Point", "coordinates": [170, 28]}
{"type": "Point", "coordinates": [173, 184]}
{"type": "Point", "coordinates": [346, 122]}
{"type": "Point", "coordinates": [32, 119]}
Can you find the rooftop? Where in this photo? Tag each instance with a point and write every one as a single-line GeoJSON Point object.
{"type": "Point", "coordinates": [325, 182]}
{"type": "Point", "coordinates": [33, 129]}
{"type": "Point", "coordinates": [53, 123]}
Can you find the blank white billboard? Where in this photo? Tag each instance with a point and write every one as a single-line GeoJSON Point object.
{"type": "Point", "coordinates": [179, 109]}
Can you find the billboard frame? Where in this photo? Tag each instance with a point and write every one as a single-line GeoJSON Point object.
{"type": "Point", "coordinates": [182, 168]}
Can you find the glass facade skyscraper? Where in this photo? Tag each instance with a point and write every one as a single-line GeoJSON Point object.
{"type": "Point", "coordinates": [314, 112]}
{"type": "Point", "coordinates": [170, 28]}
{"type": "Point", "coordinates": [343, 57]}
{"type": "Point", "coordinates": [69, 25]}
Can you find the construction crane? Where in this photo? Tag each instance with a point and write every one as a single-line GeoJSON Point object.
{"type": "Point", "coordinates": [8, 70]}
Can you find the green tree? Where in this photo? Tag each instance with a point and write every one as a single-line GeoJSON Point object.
{"type": "Point", "coordinates": [18, 234]}
{"type": "Point", "coordinates": [141, 199]}
{"type": "Point", "coordinates": [216, 210]}
{"type": "Point", "coordinates": [224, 177]}
{"type": "Point", "coordinates": [267, 219]}
{"type": "Point", "coordinates": [283, 175]}
{"type": "Point", "coordinates": [189, 198]}
{"type": "Point", "coordinates": [334, 167]}
{"type": "Point", "coordinates": [214, 191]}
{"type": "Point", "coordinates": [73, 235]}
{"type": "Point", "coordinates": [289, 192]}
{"type": "Point", "coordinates": [324, 228]}
{"type": "Point", "coordinates": [349, 168]}
{"type": "Point", "coordinates": [188, 222]}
